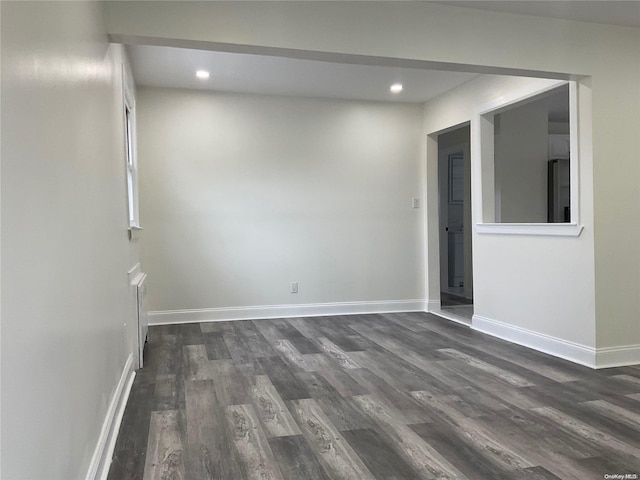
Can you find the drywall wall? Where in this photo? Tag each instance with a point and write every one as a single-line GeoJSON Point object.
{"type": "Point", "coordinates": [243, 194]}
{"type": "Point", "coordinates": [523, 280]}
{"type": "Point", "coordinates": [521, 147]}
{"type": "Point", "coordinates": [65, 251]}
{"type": "Point", "coordinates": [413, 31]}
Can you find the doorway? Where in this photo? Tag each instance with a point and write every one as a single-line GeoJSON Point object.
{"type": "Point", "coordinates": [454, 195]}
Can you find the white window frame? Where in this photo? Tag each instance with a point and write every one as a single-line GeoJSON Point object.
{"type": "Point", "coordinates": [484, 131]}
{"type": "Point", "coordinates": [130, 153]}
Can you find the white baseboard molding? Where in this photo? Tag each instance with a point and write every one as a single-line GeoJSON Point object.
{"type": "Point", "coordinates": [432, 305]}
{"type": "Point", "coordinates": [103, 453]}
{"type": "Point", "coordinates": [165, 317]}
{"type": "Point", "coordinates": [557, 347]}
{"type": "Point", "coordinates": [588, 356]}
{"type": "Point", "coordinates": [617, 356]}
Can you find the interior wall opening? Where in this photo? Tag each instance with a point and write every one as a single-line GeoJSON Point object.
{"type": "Point", "coordinates": [450, 285]}
{"type": "Point", "coordinates": [532, 159]}
{"type": "Point", "coordinates": [454, 200]}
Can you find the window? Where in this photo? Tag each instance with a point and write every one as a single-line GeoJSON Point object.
{"type": "Point", "coordinates": [131, 169]}
{"type": "Point", "coordinates": [529, 167]}
{"type": "Point", "coordinates": [131, 160]}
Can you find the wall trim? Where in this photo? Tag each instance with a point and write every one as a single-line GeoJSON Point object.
{"type": "Point", "coordinates": [135, 270]}
{"type": "Point", "coordinates": [545, 229]}
{"type": "Point", "coordinates": [103, 453]}
{"type": "Point", "coordinates": [432, 305]}
{"type": "Point", "coordinates": [165, 317]}
{"type": "Point", "coordinates": [618, 356]}
{"type": "Point", "coordinates": [557, 347]}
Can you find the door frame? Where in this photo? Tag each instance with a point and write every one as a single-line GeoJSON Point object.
{"type": "Point", "coordinates": [432, 219]}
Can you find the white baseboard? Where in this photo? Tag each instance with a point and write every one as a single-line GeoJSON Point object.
{"type": "Point", "coordinates": [617, 356]}
{"type": "Point", "coordinates": [283, 311]}
{"type": "Point", "coordinates": [557, 347]}
{"type": "Point", "coordinates": [103, 453]}
{"type": "Point", "coordinates": [432, 305]}
{"type": "Point", "coordinates": [606, 357]}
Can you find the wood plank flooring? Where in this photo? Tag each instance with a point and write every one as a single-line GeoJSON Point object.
{"type": "Point", "coordinates": [390, 396]}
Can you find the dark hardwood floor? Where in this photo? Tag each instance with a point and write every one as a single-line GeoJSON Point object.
{"type": "Point", "coordinates": [391, 396]}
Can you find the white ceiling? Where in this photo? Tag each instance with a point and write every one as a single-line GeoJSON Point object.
{"type": "Point", "coordinates": [236, 72]}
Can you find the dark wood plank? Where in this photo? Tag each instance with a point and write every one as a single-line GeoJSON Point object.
{"type": "Point", "coordinates": [165, 356]}
{"type": "Point", "coordinates": [590, 432]}
{"type": "Point", "coordinates": [474, 362]}
{"type": "Point", "coordinates": [196, 362]}
{"type": "Point", "coordinates": [422, 457]}
{"type": "Point", "coordinates": [191, 334]}
{"type": "Point", "coordinates": [165, 450]}
{"type": "Point", "coordinates": [600, 466]}
{"type": "Point", "coordinates": [349, 343]}
{"type": "Point", "coordinates": [231, 387]}
{"type": "Point", "coordinates": [238, 349]}
{"type": "Point", "coordinates": [297, 339]}
{"type": "Point", "coordinates": [340, 356]}
{"type": "Point", "coordinates": [296, 459]}
{"type": "Point", "coordinates": [165, 395]}
{"type": "Point", "coordinates": [268, 330]}
{"type": "Point", "coordinates": [382, 461]}
{"type": "Point", "coordinates": [209, 440]}
{"type": "Point", "coordinates": [534, 473]}
{"type": "Point", "coordinates": [291, 355]}
{"type": "Point", "coordinates": [131, 446]}
{"type": "Point", "coordinates": [408, 407]}
{"type": "Point", "coordinates": [271, 410]}
{"type": "Point", "coordinates": [215, 327]}
{"type": "Point", "coordinates": [468, 457]}
{"type": "Point", "coordinates": [472, 435]}
{"type": "Point", "coordinates": [303, 344]}
{"type": "Point", "coordinates": [399, 373]}
{"type": "Point", "coordinates": [305, 326]}
{"type": "Point", "coordinates": [340, 410]}
{"type": "Point", "coordinates": [339, 379]}
{"type": "Point", "coordinates": [289, 387]}
{"type": "Point", "coordinates": [251, 443]}
{"type": "Point", "coordinates": [334, 453]}
{"type": "Point", "coordinates": [523, 424]}
{"type": "Point", "coordinates": [216, 348]}
{"type": "Point", "coordinates": [338, 325]}
{"type": "Point", "coordinates": [538, 453]}
{"type": "Point", "coordinates": [253, 339]}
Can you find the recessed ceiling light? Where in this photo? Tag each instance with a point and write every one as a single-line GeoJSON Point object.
{"type": "Point", "coordinates": [396, 88]}
{"type": "Point", "coordinates": [202, 74]}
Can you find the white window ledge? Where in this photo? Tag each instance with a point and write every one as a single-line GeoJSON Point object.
{"type": "Point", "coordinates": [134, 232]}
{"type": "Point", "coordinates": [549, 229]}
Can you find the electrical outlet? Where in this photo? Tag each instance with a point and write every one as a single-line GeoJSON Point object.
{"type": "Point", "coordinates": [415, 202]}
{"type": "Point", "coordinates": [294, 287]}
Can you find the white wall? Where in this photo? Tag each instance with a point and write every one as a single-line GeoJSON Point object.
{"type": "Point", "coordinates": [242, 195]}
{"type": "Point", "coordinates": [65, 252]}
{"type": "Point", "coordinates": [521, 148]}
{"type": "Point", "coordinates": [538, 283]}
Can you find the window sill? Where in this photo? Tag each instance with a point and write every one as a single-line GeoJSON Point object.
{"type": "Point", "coordinates": [134, 232]}
{"type": "Point", "coordinates": [545, 229]}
